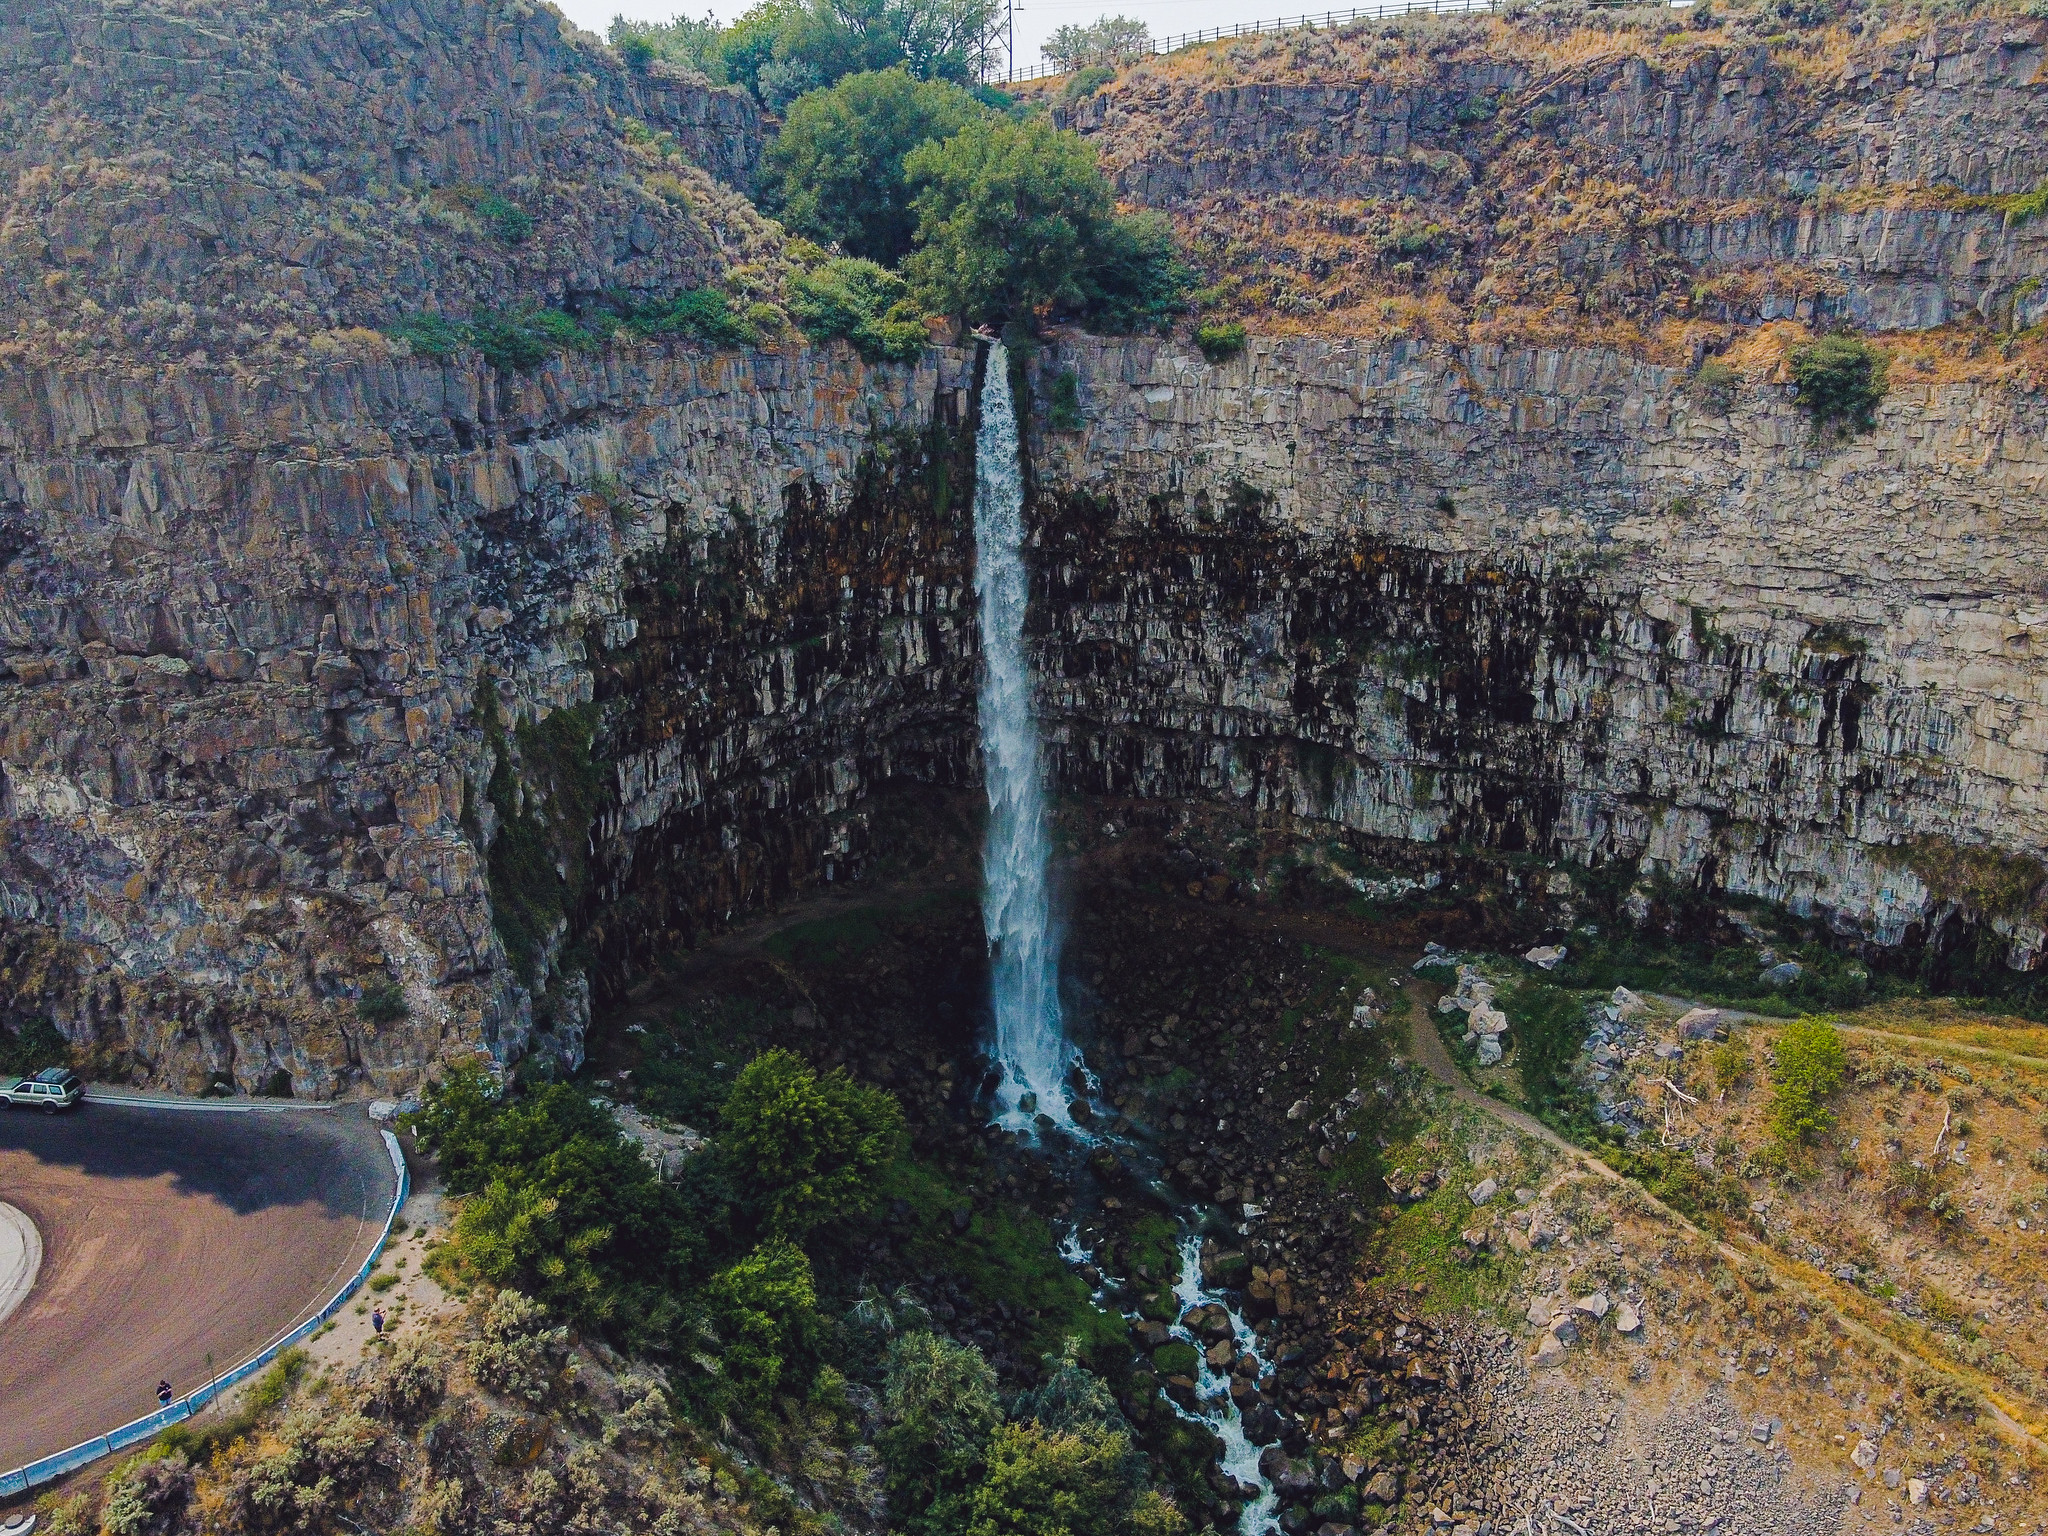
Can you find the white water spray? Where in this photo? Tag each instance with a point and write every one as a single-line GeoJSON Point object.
{"type": "Point", "coordinates": [1023, 944]}
{"type": "Point", "coordinates": [1212, 1389]}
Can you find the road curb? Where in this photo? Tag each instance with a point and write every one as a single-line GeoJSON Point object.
{"type": "Point", "coordinates": [195, 1106]}
{"type": "Point", "coordinates": [21, 1479]}
{"type": "Point", "coordinates": [21, 1258]}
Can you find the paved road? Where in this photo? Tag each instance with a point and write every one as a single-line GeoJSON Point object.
{"type": "Point", "coordinates": [168, 1236]}
{"type": "Point", "coordinates": [21, 1256]}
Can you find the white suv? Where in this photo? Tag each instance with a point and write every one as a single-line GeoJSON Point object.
{"type": "Point", "coordinates": [50, 1090]}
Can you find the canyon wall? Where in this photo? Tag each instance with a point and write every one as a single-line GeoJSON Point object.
{"type": "Point", "coordinates": [1862, 172]}
{"type": "Point", "coordinates": [271, 648]}
{"type": "Point", "coordinates": [1544, 602]}
{"type": "Point", "coordinates": [360, 710]}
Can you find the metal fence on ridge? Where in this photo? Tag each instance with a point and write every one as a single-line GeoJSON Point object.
{"type": "Point", "coordinates": [1283, 24]}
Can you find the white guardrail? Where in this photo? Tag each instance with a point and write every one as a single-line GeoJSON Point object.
{"type": "Point", "coordinates": [1263, 28]}
{"type": "Point", "coordinates": [37, 1472]}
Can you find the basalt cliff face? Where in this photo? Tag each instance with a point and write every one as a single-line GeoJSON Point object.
{"type": "Point", "coordinates": [360, 710]}
{"type": "Point", "coordinates": [1539, 601]}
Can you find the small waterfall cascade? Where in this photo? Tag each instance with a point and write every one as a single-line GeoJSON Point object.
{"type": "Point", "coordinates": [1023, 940]}
{"type": "Point", "coordinates": [1212, 1389]}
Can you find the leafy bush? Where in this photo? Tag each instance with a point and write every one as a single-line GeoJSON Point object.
{"type": "Point", "coordinates": [2022, 206]}
{"type": "Point", "coordinates": [32, 1047]}
{"type": "Point", "coordinates": [806, 1147]}
{"type": "Point", "coordinates": [692, 44]}
{"type": "Point", "coordinates": [1410, 241]}
{"type": "Point", "coordinates": [1549, 1023]}
{"type": "Point", "coordinates": [764, 1309]}
{"type": "Point", "coordinates": [1086, 83]}
{"type": "Point", "coordinates": [1041, 1483]}
{"type": "Point", "coordinates": [412, 1381]}
{"type": "Point", "coordinates": [517, 1351]}
{"type": "Point", "coordinates": [434, 336]}
{"type": "Point", "coordinates": [562, 1206]}
{"type": "Point", "coordinates": [782, 49]}
{"type": "Point", "coordinates": [1807, 1064]}
{"type": "Point", "coordinates": [939, 1407]}
{"type": "Point", "coordinates": [638, 52]}
{"type": "Point", "coordinates": [1715, 386]}
{"type": "Point", "coordinates": [1107, 41]}
{"type": "Point", "coordinates": [1730, 1061]}
{"type": "Point", "coordinates": [861, 302]}
{"type": "Point", "coordinates": [517, 340]}
{"type": "Point", "coordinates": [522, 339]}
{"type": "Point", "coordinates": [835, 172]}
{"type": "Point", "coordinates": [1841, 381]}
{"type": "Point", "coordinates": [505, 219]}
{"type": "Point", "coordinates": [705, 313]}
{"type": "Point", "coordinates": [1220, 340]}
{"type": "Point", "coordinates": [148, 1496]}
{"type": "Point", "coordinates": [1072, 1399]}
{"type": "Point", "coordinates": [1064, 405]}
{"type": "Point", "coordinates": [1016, 217]}
{"type": "Point", "coordinates": [195, 1439]}
{"type": "Point", "coordinates": [382, 1002]}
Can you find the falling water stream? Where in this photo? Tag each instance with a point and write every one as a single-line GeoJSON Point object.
{"type": "Point", "coordinates": [1036, 1059]}
{"type": "Point", "coordinates": [1023, 943]}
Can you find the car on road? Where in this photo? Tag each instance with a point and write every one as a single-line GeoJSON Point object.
{"type": "Point", "coordinates": [50, 1090]}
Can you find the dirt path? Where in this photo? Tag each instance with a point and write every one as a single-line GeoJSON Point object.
{"type": "Point", "coordinates": [1427, 1048]}
{"type": "Point", "coordinates": [1869, 1032]}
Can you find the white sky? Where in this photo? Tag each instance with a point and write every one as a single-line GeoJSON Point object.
{"type": "Point", "coordinates": [1036, 19]}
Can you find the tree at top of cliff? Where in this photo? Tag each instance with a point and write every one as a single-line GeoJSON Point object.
{"type": "Point", "coordinates": [836, 172]}
{"type": "Point", "coordinates": [1016, 219]}
{"type": "Point", "coordinates": [781, 50]}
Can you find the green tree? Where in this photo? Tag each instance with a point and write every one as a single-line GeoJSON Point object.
{"type": "Point", "coordinates": [697, 45]}
{"type": "Point", "coordinates": [764, 1309]}
{"type": "Point", "coordinates": [1041, 1483]}
{"type": "Point", "coordinates": [866, 304]}
{"type": "Point", "coordinates": [781, 49]}
{"type": "Point", "coordinates": [1841, 381]}
{"type": "Point", "coordinates": [1807, 1064]}
{"type": "Point", "coordinates": [1072, 1399]}
{"type": "Point", "coordinates": [36, 1045]}
{"type": "Point", "coordinates": [803, 1147]}
{"type": "Point", "coordinates": [939, 1407]}
{"type": "Point", "coordinates": [1105, 41]}
{"type": "Point", "coordinates": [1015, 217]}
{"type": "Point", "coordinates": [1549, 1023]}
{"type": "Point", "coordinates": [559, 1202]}
{"type": "Point", "coordinates": [835, 172]}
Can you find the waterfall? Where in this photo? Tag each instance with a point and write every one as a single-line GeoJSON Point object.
{"type": "Point", "coordinates": [1023, 943]}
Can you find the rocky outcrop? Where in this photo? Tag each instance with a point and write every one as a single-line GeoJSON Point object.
{"type": "Point", "coordinates": [247, 782]}
{"type": "Point", "coordinates": [1711, 173]}
{"type": "Point", "coordinates": [1542, 602]}
{"type": "Point", "coordinates": [256, 182]}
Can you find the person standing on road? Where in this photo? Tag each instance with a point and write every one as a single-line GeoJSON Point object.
{"type": "Point", "coordinates": [163, 1394]}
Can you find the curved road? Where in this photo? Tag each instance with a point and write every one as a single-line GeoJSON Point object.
{"type": "Point", "coordinates": [21, 1256]}
{"type": "Point", "coordinates": [170, 1236]}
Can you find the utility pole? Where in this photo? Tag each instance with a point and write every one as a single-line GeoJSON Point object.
{"type": "Point", "coordinates": [999, 41]}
